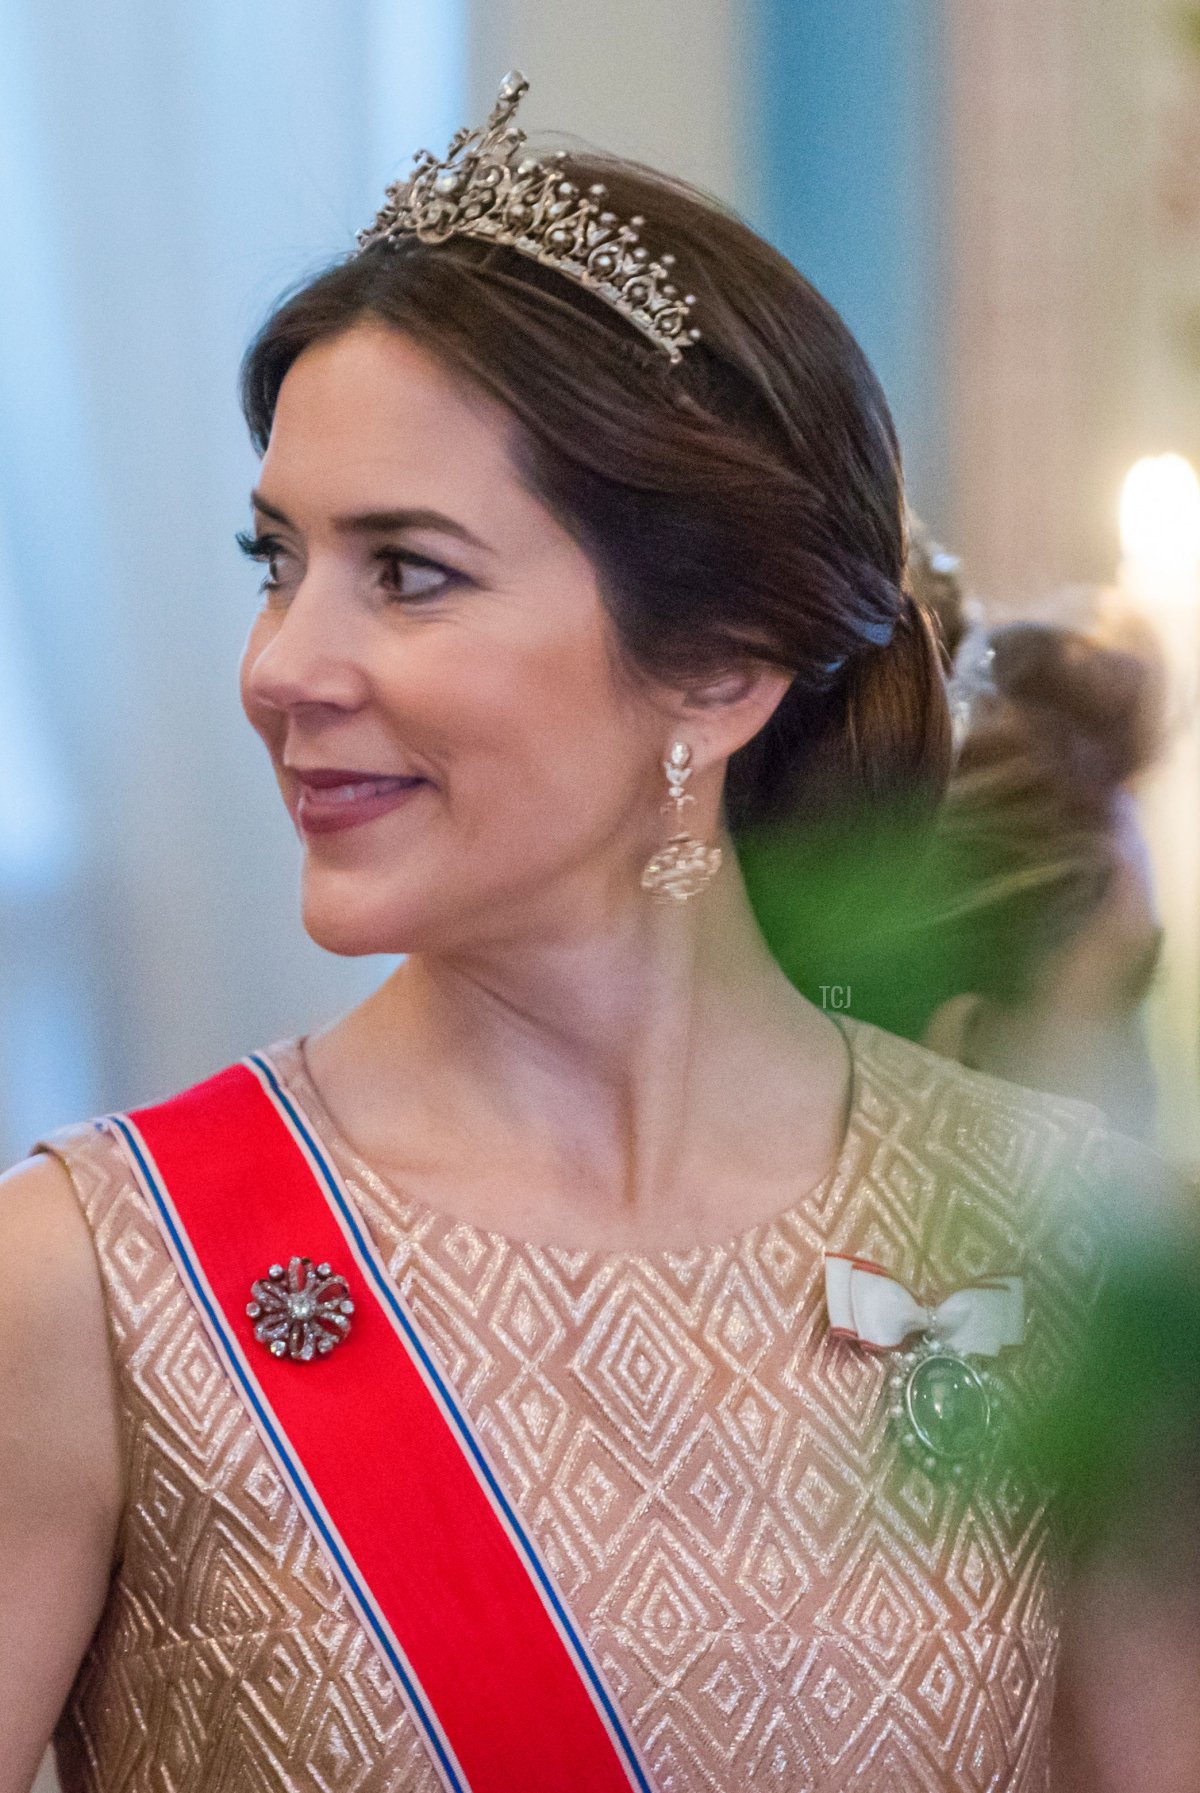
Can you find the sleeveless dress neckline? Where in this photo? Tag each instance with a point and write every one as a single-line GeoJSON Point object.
{"type": "Point", "coordinates": [290, 1060]}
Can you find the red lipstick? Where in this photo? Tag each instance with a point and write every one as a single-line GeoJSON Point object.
{"type": "Point", "coordinates": [329, 800]}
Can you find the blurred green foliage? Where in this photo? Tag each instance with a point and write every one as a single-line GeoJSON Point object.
{"type": "Point", "coordinates": [846, 905]}
{"type": "Point", "coordinates": [1120, 1442]}
{"type": "Point", "coordinates": [1188, 19]}
{"type": "Point", "coordinates": [904, 910]}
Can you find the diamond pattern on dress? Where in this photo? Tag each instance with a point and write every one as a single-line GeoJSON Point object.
{"type": "Point", "coordinates": [640, 1367]}
{"type": "Point", "coordinates": [755, 1422]}
{"type": "Point", "coordinates": [601, 1493]}
{"type": "Point", "coordinates": [523, 1318]}
{"type": "Point", "coordinates": [822, 1497]}
{"type": "Point", "coordinates": [665, 1606]}
{"type": "Point", "coordinates": [233, 1587]}
{"type": "Point", "coordinates": [940, 1673]}
{"type": "Point", "coordinates": [773, 1570]}
{"type": "Point", "coordinates": [778, 1758]}
{"type": "Point", "coordinates": [976, 1574]}
{"type": "Point", "coordinates": [781, 1601]}
{"type": "Point", "coordinates": [784, 1261]}
{"type": "Point", "coordinates": [736, 1329]}
{"type": "Point", "coordinates": [340, 1760]}
{"type": "Point", "coordinates": [710, 1492]}
{"type": "Point", "coordinates": [537, 1417]}
{"type": "Point", "coordinates": [890, 1755]}
{"type": "Point", "coordinates": [883, 1602]}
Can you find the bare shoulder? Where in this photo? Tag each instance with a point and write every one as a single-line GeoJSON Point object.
{"type": "Point", "coordinates": [40, 1213]}
{"type": "Point", "coordinates": [60, 1475]}
{"type": "Point", "coordinates": [53, 1310]}
{"type": "Point", "coordinates": [53, 1328]}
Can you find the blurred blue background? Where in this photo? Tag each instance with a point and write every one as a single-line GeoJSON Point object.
{"type": "Point", "coordinates": [166, 169]}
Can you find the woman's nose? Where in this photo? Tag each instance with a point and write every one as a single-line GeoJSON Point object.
{"type": "Point", "coordinates": [304, 655]}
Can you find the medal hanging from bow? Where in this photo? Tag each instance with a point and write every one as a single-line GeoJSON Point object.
{"type": "Point", "coordinates": [943, 1404]}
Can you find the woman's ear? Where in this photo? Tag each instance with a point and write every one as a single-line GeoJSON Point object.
{"type": "Point", "coordinates": [732, 708]}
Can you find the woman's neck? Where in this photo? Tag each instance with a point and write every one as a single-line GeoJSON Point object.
{"type": "Point", "coordinates": [623, 1064]}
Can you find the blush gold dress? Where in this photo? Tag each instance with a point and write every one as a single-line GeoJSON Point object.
{"type": "Point", "coordinates": [781, 1599]}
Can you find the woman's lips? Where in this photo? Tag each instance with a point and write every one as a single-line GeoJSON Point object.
{"type": "Point", "coordinates": [327, 802]}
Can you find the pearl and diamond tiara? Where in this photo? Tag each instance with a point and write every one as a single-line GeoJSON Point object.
{"type": "Point", "coordinates": [487, 188]}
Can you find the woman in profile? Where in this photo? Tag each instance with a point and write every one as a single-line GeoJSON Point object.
{"type": "Point", "coordinates": [1039, 891]}
{"type": "Point", "coordinates": [502, 1387]}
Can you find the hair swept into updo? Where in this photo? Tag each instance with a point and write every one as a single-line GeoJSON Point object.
{"type": "Point", "coordinates": [744, 504]}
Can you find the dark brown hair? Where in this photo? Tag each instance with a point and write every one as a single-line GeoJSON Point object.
{"type": "Point", "coordinates": [935, 579]}
{"type": "Point", "coordinates": [1096, 710]}
{"type": "Point", "coordinates": [1026, 843]}
{"type": "Point", "coordinates": [745, 504]}
{"type": "Point", "coordinates": [1024, 849]}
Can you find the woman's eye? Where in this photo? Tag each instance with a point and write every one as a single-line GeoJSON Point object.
{"type": "Point", "coordinates": [403, 576]}
{"type": "Point", "coordinates": [269, 552]}
{"type": "Point", "coordinates": [412, 576]}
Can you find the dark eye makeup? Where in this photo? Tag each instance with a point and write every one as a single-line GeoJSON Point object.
{"type": "Point", "coordinates": [262, 548]}
{"type": "Point", "coordinates": [393, 562]}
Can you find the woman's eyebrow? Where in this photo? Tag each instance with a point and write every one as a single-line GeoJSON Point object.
{"type": "Point", "coordinates": [380, 522]}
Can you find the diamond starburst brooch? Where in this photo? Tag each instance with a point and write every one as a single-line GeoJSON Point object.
{"type": "Point", "coordinates": [302, 1311]}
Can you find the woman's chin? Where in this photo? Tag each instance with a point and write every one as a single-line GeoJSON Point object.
{"type": "Point", "coordinates": [355, 930]}
{"type": "Point", "coordinates": [347, 945]}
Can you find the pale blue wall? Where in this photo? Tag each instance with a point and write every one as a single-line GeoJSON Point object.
{"type": "Point", "coordinates": [849, 148]}
{"type": "Point", "coordinates": [166, 168]}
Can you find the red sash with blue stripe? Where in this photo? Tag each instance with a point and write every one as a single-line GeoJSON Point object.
{"type": "Point", "coordinates": [378, 1451]}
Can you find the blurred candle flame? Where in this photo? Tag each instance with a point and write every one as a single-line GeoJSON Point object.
{"type": "Point", "coordinates": [1159, 520]}
{"type": "Point", "coordinates": [1160, 517]}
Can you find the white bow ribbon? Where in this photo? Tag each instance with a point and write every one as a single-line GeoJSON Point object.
{"type": "Point", "coordinates": [867, 1304]}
